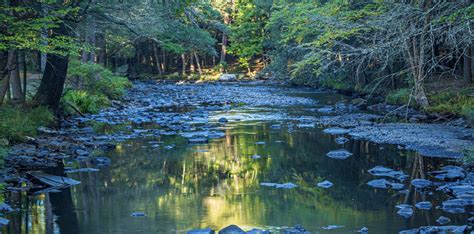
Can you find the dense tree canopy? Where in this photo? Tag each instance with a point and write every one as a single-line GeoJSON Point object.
{"type": "Point", "coordinates": [366, 46]}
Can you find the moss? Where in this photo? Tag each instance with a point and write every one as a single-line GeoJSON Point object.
{"type": "Point", "coordinates": [398, 97]}
{"type": "Point", "coordinates": [84, 101]}
{"type": "Point", "coordinates": [460, 102]}
{"type": "Point", "coordinates": [107, 128]}
{"type": "Point", "coordinates": [469, 155]}
{"type": "Point", "coordinates": [16, 124]}
{"type": "Point", "coordinates": [3, 153]}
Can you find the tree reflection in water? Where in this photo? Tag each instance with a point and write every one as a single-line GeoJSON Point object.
{"type": "Point", "coordinates": [217, 184]}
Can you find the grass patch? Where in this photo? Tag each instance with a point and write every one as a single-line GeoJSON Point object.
{"type": "Point", "coordinates": [16, 124]}
{"type": "Point", "coordinates": [398, 97]}
{"type": "Point", "coordinates": [460, 102]}
{"type": "Point", "coordinates": [337, 84]}
{"type": "Point", "coordinates": [90, 87]}
{"type": "Point", "coordinates": [84, 101]}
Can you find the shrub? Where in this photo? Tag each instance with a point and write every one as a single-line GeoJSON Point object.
{"type": "Point", "coordinates": [16, 124]}
{"type": "Point", "coordinates": [84, 101]}
{"type": "Point", "coordinates": [336, 83]}
{"type": "Point", "coordinates": [460, 103]}
{"type": "Point", "coordinates": [96, 80]}
{"type": "Point", "coordinates": [399, 97]}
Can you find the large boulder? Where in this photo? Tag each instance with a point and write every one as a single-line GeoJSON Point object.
{"type": "Point", "coordinates": [228, 77]}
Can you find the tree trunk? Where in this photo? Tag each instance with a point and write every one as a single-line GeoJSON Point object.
{"type": "Point", "coordinates": [25, 76]}
{"type": "Point", "coordinates": [420, 94]}
{"type": "Point", "coordinates": [90, 38]}
{"type": "Point", "coordinates": [223, 48]}
{"type": "Point", "coordinates": [183, 59]}
{"type": "Point", "coordinates": [468, 57]}
{"type": "Point", "coordinates": [5, 82]}
{"type": "Point", "coordinates": [191, 63]}
{"type": "Point", "coordinates": [467, 66]}
{"type": "Point", "coordinates": [157, 60]}
{"type": "Point", "coordinates": [44, 40]}
{"type": "Point", "coordinates": [197, 63]}
{"type": "Point", "coordinates": [163, 63]}
{"type": "Point", "coordinates": [52, 84]}
{"type": "Point", "coordinates": [15, 80]}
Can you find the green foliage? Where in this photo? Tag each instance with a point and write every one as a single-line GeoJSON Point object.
{"type": "Point", "coordinates": [398, 97]}
{"type": "Point", "coordinates": [24, 27]}
{"type": "Point", "coordinates": [96, 80]}
{"type": "Point", "coordinates": [248, 32]}
{"type": "Point", "coordinates": [16, 124]}
{"type": "Point", "coordinates": [3, 152]}
{"type": "Point", "coordinates": [460, 102]}
{"type": "Point", "coordinates": [91, 87]}
{"type": "Point", "coordinates": [468, 155]}
{"type": "Point", "coordinates": [84, 101]}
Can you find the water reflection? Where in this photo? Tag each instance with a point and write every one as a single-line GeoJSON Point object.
{"type": "Point", "coordinates": [217, 184]}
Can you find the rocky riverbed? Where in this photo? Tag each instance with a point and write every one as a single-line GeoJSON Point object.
{"type": "Point", "coordinates": [203, 113]}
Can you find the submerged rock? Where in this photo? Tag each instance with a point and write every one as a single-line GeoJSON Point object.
{"type": "Point", "coordinates": [449, 173]}
{"type": "Point", "coordinates": [436, 229]}
{"type": "Point", "coordinates": [168, 147]}
{"type": "Point", "coordinates": [325, 184]}
{"type": "Point", "coordinates": [258, 231]}
{"type": "Point", "coordinates": [332, 227]}
{"type": "Point", "coordinates": [326, 110]}
{"type": "Point", "coordinates": [421, 183]}
{"type": "Point", "coordinates": [232, 229]}
{"type": "Point", "coordinates": [198, 141]}
{"type": "Point", "coordinates": [276, 185]}
{"type": "Point", "coordinates": [470, 221]}
{"type": "Point", "coordinates": [53, 180]}
{"type": "Point", "coordinates": [339, 154]}
{"type": "Point", "coordinates": [222, 120]}
{"type": "Point", "coordinates": [201, 231]}
{"type": "Point", "coordinates": [443, 220]}
{"type": "Point", "coordinates": [101, 161]}
{"type": "Point", "coordinates": [406, 212]}
{"type": "Point", "coordinates": [336, 131]}
{"type": "Point", "coordinates": [383, 171]}
{"type": "Point", "coordinates": [138, 214]}
{"type": "Point", "coordinates": [275, 126]}
{"type": "Point", "coordinates": [363, 230]}
{"type": "Point", "coordinates": [4, 221]}
{"type": "Point", "coordinates": [5, 208]}
{"type": "Point", "coordinates": [425, 205]}
{"type": "Point", "coordinates": [81, 170]}
{"type": "Point", "coordinates": [341, 140]}
{"type": "Point", "coordinates": [454, 206]}
{"type": "Point", "coordinates": [385, 184]}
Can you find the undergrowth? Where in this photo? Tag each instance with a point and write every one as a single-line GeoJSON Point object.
{"type": "Point", "coordinates": [16, 124]}
{"type": "Point", "coordinates": [90, 87]}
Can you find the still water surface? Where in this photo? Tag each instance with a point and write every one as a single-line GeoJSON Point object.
{"type": "Point", "coordinates": [217, 184]}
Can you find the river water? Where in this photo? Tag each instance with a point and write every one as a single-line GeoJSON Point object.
{"type": "Point", "coordinates": [181, 186]}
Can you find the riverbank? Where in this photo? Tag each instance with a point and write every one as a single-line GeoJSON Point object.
{"type": "Point", "coordinates": [77, 136]}
{"type": "Point", "coordinates": [203, 113]}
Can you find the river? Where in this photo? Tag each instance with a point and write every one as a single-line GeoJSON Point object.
{"type": "Point", "coordinates": [179, 165]}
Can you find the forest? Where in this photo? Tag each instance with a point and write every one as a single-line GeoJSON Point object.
{"type": "Point", "coordinates": [161, 66]}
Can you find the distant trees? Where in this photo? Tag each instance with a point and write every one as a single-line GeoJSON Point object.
{"type": "Point", "coordinates": [146, 36]}
{"type": "Point", "coordinates": [335, 43]}
{"type": "Point", "coordinates": [372, 42]}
